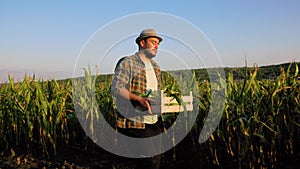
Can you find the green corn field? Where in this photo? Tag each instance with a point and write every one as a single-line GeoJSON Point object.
{"type": "Point", "coordinates": [260, 126]}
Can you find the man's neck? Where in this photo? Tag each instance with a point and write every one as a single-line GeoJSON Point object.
{"type": "Point", "coordinates": [143, 57]}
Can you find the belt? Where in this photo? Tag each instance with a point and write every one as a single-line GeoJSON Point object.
{"type": "Point", "coordinates": [125, 123]}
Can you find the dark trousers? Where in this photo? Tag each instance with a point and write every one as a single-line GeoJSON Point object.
{"type": "Point", "coordinates": [149, 131]}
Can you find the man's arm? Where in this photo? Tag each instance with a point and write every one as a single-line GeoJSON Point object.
{"type": "Point", "coordinates": [121, 78]}
{"type": "Point", "coordinates": [130, 96]}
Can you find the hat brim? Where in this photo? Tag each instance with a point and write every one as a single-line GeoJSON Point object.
{"type": "Point", "coordinates": [138, 39]}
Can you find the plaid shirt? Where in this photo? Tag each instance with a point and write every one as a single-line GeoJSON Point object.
{"type": "Point", "coordinates": [130, 73]}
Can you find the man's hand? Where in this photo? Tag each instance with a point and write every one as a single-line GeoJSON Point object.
{"type": "Point", "coordinates": [145, 102]}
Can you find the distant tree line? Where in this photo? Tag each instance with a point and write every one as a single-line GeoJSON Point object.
{"type": "Point", "coordinates": [264, 72]}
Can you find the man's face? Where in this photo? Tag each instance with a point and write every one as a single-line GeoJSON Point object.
{"type": "Point", "coordinates": [150, 45]}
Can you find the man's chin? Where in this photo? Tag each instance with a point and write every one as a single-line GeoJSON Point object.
{"type": "Point", "coordinates": [150, 56]}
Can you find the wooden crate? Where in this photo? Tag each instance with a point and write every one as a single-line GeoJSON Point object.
{"type": "Point", "coordinates": [170, 105]}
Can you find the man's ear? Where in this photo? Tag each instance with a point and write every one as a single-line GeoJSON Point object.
{"type": "Point", "coordinates": [142, 43]}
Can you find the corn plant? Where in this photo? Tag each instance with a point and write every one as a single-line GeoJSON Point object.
{"type": "Point", "coordinates": [34, 115]}
{"type": "Point", "coordinates": [257, 129]}
{"type": "Point", "coordinates": [85, 103]}
{"type": "Point", "coordinates": [259, 121]}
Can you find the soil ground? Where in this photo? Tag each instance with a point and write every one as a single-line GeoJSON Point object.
{"type": "Point", "coordinates": [94, 157]}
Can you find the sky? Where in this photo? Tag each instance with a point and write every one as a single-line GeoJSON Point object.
{"type": "Point", "coordinates": [46, 38]}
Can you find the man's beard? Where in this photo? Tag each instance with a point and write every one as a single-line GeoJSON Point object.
{"type": "Point", "coordinates": [150, 53]}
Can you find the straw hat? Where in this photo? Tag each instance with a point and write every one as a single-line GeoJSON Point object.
{"type": "Point", "coordinates": [147, 33]}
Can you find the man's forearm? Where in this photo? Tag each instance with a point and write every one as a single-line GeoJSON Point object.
{"type": "Point", "coordinates": [128, 95]}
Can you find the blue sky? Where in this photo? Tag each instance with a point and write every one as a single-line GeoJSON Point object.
{"type": "Point", "coordinates": [45, 37]}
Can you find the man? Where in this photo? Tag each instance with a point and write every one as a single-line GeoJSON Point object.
{"type": "Point", "coordinates": [134, 75]}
